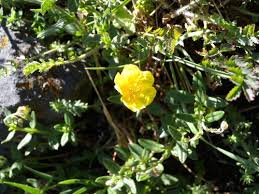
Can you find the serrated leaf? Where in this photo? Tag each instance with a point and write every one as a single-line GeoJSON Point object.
{"type": "Point", "coordinates": [214, 116]}
{"type": "Point", "coordinates": [30, 68]}
{"type": "Point", "coordinates": [24, 141]}
{"type": "Point", "coordinates": [76, 108]}
{"type": "Point", "coordinates": [151, 145]}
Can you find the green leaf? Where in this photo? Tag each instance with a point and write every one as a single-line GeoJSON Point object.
{"type": "Point", "coordinates": [234, 93]}
{"type": "Point", "coordinates": [40, 174]}
{"type": "Point", "coordinates": [53, 141]}
{"type": "Point", "coordinates": [33, 122]}
{"type": "Point", "coordinates": [15, 166]}
{"type": "Point", "coordinates": [186, 117]}
{"type": "Point", "coordinates": [70, 182]}
{"type": "Point", "coordinates": [72, 137]}
{"type": "Point", "coordinates": [30, 68]}
{"type": "Point", "coordinates": [46, 5]}
{"type": "Point", "coordinates": [214, 116]}
{"type": "Point", "coordinates": [156, 109]}
{"type": "Point", "coordinates": [111, 191]}
{"type": "Point", "coordinates": [115, 99]}
{"type": "Point", "coordinates": [69, 120]}
{"type": "Point", "coordinates": [26, 188]}
{"type": "Point", "coordinates": [131, 185]}
{"type": "Point", "coordinates": [142, 176]}
{"type": "Point", "coordinates": [102, 179]}
{"type": "Point", "coordinates": [169, 180]}
{"type": "Point", "coordinates": [73, 5]}
{"type": "Point", "coordinates": [136, 150]}
{"type": "Point", "coordinates": [216, 102]}
{"type": "Point", "coordinates": [122, 152]}
{"type": "Point", "coordinates": [103, 191]}
{"type": "Point", "coordinates": [68, 191]}
{"type": "Point", "coordinates": [181, 151]}
{"type": "Point", "coordinates": [24, 141]}
{"type": "Point", "coordinates": [177, 35]}
{"type": "Point", "coordinates": [72, 28]}
{"type": "Point", "coordinates": [76, 108]}
{"type": "Point", "coordinates": [179, 96]}
{"type": "Point", "coordinates": [9, 137]}
{"type": "Point", "coordinates": [64, 139]}
{"type": "Point", "coordinates": [111, 165]}
{"type": "Point", "coordinates": [122, 18]}
{"type": "Point", "coordinates": [80, 191]}
{"type": "Point", "coordinates": [198, 81]}
{"type": "Point", "coordinates": [52, 30]}
{"type": "Point", "coordinates": [151, 145]}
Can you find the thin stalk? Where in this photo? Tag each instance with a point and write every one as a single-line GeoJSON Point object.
{"type": "Point", "coordinates": [122, 135]}
{"type": "Point", "coordinates": [79, 58]}
{"type": "Point", "coordinates": [200, 67]}
{"type": "Point", "coordinates": [104, 68]}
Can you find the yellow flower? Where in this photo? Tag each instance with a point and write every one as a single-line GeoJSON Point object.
{"type": "Point", "coordinates": [135, 86]}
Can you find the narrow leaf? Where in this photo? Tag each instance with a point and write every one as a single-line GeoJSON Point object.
{"type": "Point", "coordinates": [214, 116]}
{"type": "Point", "coordinates": [26, 188]}
{"type": "Point", "coordinates": [234, 93]}
{"type": "Point", "coordinates": [24, 141]}
{"type": "Point", "coordinates": [151, 145]}
{"type": "Point", "coordinates": [9, 137]}
{"type": "Point", "coordinates": [111, 166]}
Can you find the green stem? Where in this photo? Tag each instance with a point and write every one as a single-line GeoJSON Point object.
{"type": "Point", "coordinates": [200, 67]}
{"type": "Point", "coordinates": [104, 68]}
{"type": "Point", "coordinates": [79, 58]}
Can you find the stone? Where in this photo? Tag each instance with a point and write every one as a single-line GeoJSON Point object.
{"type": "Point", "coordinates": [36, 91]}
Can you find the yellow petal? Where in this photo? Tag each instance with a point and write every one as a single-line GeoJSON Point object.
{"type": "Point", "coordinates": [135, 86]}
{"type": "Point", "coordinates": [130, 70]}
{"type": "Point", "coordinates": [118, 80]}
{"type": "Point", "coordinates": [147, 77]}
{"type": "Point", "coordinates": [130, 104]}
{"type": "Point", "coordinates": [150, 94]}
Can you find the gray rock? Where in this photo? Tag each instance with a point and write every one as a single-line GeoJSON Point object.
{"type": "Point", "coordinates": [64, 82]}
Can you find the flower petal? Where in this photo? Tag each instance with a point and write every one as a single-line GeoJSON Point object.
{"type": "Point", "coordinates": [135, 86]}
{"type": "Point", "coordinates": [147, 77]}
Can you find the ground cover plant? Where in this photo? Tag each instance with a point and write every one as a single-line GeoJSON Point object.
{"type": "Point", "coordinates": [171, 103]}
